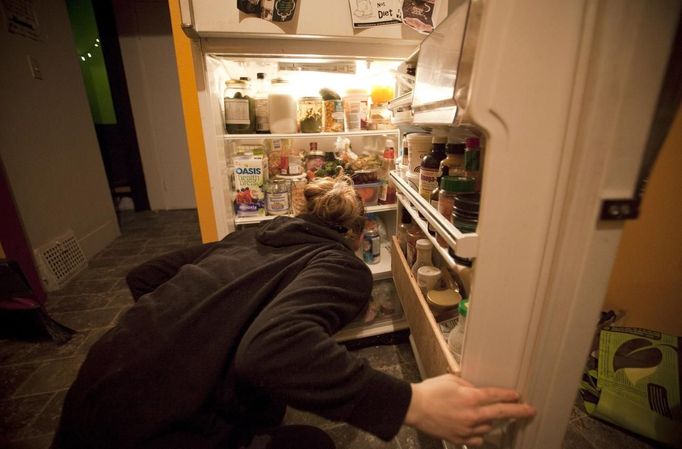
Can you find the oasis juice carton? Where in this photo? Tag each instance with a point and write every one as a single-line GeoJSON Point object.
{"type": "Point", "coordinates": [250, 174]}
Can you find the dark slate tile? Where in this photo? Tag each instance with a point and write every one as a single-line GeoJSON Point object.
{"type": "Point", "coordinates": [575, 440]}
{"type": "Point", "coordinates": [11, 377]}
{"type": "Point", "coordinates": [41, 442]}
{"type": "Point", "coordinates": [120, 252]}
{"type": "Point", "coordinates": [85, 286]}
{"type": "Point", "coordinates": [51, 376]}
{"type": "Point", "coordinates": [409, 438]}
{"type": "Point", "coordinates": [348, 437]}
{"type": "Point", "coordinates": [14, 351]}
{"type": "Point", "coordinates": [120, 298]}
{"type": "Point", "coordinates": [379, 356]}
{"type": "Point", "coordinates": [295, 416]}
{"type": "Point", "coordinates": [91, 338]}
{"type": "Point", "coordinates": [407, 372]}
{"type": "Point", "coordinates": [88, 319]}
{"type": "Point", "coordinates": [46, 423]}
{"type": "Point", "coordinates": [603, 435]}
{"type": "Point", "coordinates": [17, 414]}
{"type": "Point", "coordinates": [49, 350]}
{"type": "Point", "coordinates": [71, 303]}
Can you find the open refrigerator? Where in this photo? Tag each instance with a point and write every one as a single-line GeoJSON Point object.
{"type": "Point", "coordinates": [563, 97]}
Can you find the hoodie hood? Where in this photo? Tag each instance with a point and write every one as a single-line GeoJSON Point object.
{"type": "Point", "coordinates": [287, 231]}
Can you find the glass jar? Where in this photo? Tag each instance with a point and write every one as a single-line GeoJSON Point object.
{"type": "Point", "coordinates": [450, 186]}
{"type": "Point", "coordinates": [333, 116]}
{"type": "Point", "coordinates": [282, 107]}
{"type": "Point", "coordinates": [277, 200]}
{"type": "Point", "coordinates": [238, 107]}
{"type": "Point", "coordinates": [310, 114]}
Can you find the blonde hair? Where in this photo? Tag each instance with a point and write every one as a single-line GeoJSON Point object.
{"type": "Point", "coordinates": [336, 203]}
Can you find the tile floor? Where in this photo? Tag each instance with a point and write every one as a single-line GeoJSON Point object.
{"type": "Point", "coordinates": [34, 377]}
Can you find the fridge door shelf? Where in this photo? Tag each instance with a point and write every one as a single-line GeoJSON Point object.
{"type": "Point", "coordinates": [465, 245]}
{"type": "Point", "coordinates": [426, 336]}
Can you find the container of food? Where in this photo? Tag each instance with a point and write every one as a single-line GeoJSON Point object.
{"type": "Point", "coordinates": [368, 192]}
{"type": "Point", "coordinates": [310, 114]}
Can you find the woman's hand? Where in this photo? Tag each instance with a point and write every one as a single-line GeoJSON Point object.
{"type": "Point", "coordinates": [452, 409]}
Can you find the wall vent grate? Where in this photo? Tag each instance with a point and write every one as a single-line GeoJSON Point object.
{"type": "Point", "coordinates": [60, 260]}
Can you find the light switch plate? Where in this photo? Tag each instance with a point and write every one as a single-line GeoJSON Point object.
{"type": "Point", "coordinates": [34, 67]}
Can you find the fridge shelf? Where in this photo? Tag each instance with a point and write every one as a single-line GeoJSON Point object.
{"type": "Point", "coordinates": [361, 133]}
{"type": "Point", "coordinates": [465, 245]}
{"type": "Point", "coordinates": [358, 330]}
{"type": "Point", "coordinates": [260, 218]}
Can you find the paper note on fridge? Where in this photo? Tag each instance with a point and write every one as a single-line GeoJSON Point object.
{"type": "Point", "coordinates": [370, 13]}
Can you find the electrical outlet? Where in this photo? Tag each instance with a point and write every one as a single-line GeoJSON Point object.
{"type": "Point", "coordinates": [34, 67]}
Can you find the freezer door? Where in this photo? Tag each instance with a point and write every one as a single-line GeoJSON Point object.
{"type": "Point", "coordinates": [328, 19]}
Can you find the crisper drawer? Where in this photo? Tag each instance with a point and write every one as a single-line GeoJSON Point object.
{"type": "Point", "coordinates": [432, 349]}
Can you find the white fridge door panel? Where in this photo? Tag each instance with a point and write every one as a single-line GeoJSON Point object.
{"type": "Point", "coordinates": [321, 18]}
{"type": "Point", "coordinates": [565, 93]}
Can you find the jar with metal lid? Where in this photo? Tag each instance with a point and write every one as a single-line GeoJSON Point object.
{"type": "Point", "coordinates": [310, 114]}
{"type": "Point", "coordinates": [239, 108]}
{"type": "Point", "coordinates": [277, 199]}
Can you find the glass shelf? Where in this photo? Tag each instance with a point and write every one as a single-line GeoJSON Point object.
{"type": "Point", "coordinates": [372, 132]}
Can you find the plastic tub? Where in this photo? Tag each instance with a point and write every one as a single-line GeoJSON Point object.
{"type": "Point", "coordinates": [355, 109]}
{"type": "Point", "coordinates": [418, 145]}
{"type": "Point", "coordinates": [369, 193]}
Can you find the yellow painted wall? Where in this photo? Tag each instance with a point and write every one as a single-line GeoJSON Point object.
{"type": "Point", "coordinates": [192, 115]}
{"type": "Point", "coordinates": [646, 281]}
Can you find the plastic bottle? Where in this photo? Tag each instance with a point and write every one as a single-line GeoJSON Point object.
{"type": "Point", "coordinates": [387, 194]}
{"type": "Point", "coordinates": [414, 233]}
{"type": "Point", "coordinates": [424, 248]}
{"type": "Point", "coordinates": [282, 107]}
{"type": "Point", "coordinates": [430, 167]}
{"type": "Point", "coordinates": [472, 160]}
{"type": "Point", "coordinates": [456, 337]}
{"type": "Point", "coordinates": [453, 164]}
{"type": "Point", "coordinates": [260, 99]}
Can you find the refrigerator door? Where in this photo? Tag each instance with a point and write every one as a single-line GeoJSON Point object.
{"type": "Point", "coordinates": [565, 93]}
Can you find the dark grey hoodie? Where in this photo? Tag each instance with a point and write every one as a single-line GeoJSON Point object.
{"type": "Point", "coordinates": [216, 353]}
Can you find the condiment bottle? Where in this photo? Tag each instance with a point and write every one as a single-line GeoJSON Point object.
{"type": "Point", "coordinates": [387, 194]}
{"type": "Point", "coordinates": [456, 337]}
{"type": "Point", "coordinates": [428, 278]}
{"type": "Point", "coordinates": [260, 99]}
{"type": "Point", "coordinates": [414, 233]}
{"type": "Point", "coordinates": [453, 164]}
{"type": "Point", "coordinates": [472, 160]}
{"type": "Point", "coordinates": [430, 167]}
{"type": "Point", "coordinates": [405, 221]}
{"type": "Point", "coordinates": [424, 248]}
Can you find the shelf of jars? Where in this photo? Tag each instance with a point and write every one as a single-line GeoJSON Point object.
{"type": "Point", "coordinates": [359, 133]}
{"type": "Point", "coordinates": [463, 245]}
